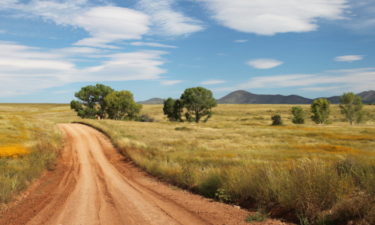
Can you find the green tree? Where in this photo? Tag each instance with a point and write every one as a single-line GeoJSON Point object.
{"type": "Point", "coordinates": [91, 101]}
{"type": "Point", "coordinates": [120, 104]}
{"type": "Point", "coordinates": [298, 114]}
{"type": "Point", "coordinates": [351, 106]}
{"type": "Point", "coordinates": [198, 101]}
{"type": "Point", "coordinates": [320, 109]}
{"type": "Point", "coordinates": [173, 109]}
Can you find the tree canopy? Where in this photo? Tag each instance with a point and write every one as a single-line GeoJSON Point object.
{"type": "Point", "coordinates": [173, 109]}
{"type": "Point", "coordinates": [351, 106]}
{"type": "Point", "coordinates": [91, 102]}
{"type": "Point", "coordinates": [298, 115]}
{"type": "Point", "coordinates": [120, 104]}
{"type": "Point", "coordinates": [320, 109]}
{"type": "Point", "coordinates": [198, 101]}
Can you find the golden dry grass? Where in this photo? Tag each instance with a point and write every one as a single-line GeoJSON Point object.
{"type": "Point", "coordinates": [240, 152]}
{"type": "Point", "coordinates": [28, 144]}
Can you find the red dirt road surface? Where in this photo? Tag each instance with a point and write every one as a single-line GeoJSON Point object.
{"type": "Point", "coordinates": [94, 184]}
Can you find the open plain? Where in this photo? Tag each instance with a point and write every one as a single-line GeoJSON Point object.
{"type": "Point", "coordinates": [310, 170]}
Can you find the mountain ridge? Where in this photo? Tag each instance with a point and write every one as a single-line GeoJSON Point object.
{"type": "Point", "coordinates": [245, 97]}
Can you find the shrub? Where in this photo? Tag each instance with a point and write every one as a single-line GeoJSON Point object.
{"type": "Point", "coordinates": [298, 114]}
{"type": "Point", "coordinates": [276, 120]}
{"type": "Point", "coordinates": [320, 109]}
{"type": "Point", "coordinates": [146, 118]}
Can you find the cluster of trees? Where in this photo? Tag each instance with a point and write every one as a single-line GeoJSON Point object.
{"type": "Point", "coordinates": [104, 102]}
{"type": "Point", "coordinates": [197, 101]}
{"type": "Point", "coordinates": [351, 107]}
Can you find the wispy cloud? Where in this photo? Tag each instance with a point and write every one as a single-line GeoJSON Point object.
{"type": "Point", "coordinates": [268, 17]}
{"type": "Point", "coordinates": [171, 82]}
{"type": "Point", "coordinates": [189, 66]}
{"type": "Point", "coordinates": [2, 31]}
{"type": "Point", "coordinates": [222, 54]}
{"type": "Point", "coordinates": [152, 44]}
{"type": "Point", "coordinates": [264, 63]}
{"type": "Point", "coordinates": [166, 20]}
{"type": "Point", "coordinates": [105, 24]}
{"type": "Point", "coordinates": [25, 70]}
{"type": "Point", "coordinates": [62, 92]}
{"type": "Point", "coordinates": [348, 58]}
{"type": "Point", "coordinates": [213, 81]}
{"type": "Point", "coordinates": [240, 41]}
{"type": "Point", "coordinates": [355, 80]}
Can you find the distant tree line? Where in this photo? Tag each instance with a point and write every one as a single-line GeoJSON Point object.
{"type": "Point", "coordinates": [197, 102]}
{"type": "Point", "coordinates": [104, 102]}
{"type": "Point", "coordinates": [351, 107]}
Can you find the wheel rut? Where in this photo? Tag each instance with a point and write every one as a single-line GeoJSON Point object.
{"type": "Point", "coordinates": [95, 185]}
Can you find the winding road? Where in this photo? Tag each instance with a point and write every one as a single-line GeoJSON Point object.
{"type": "Point", "coordinates": [96, 185]}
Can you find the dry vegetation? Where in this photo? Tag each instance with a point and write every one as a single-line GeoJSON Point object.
{"type": "Point", "coordinates": [322, 172]}
{"type": "Point", "coordinates": [312, 169]}
{"type": "Point", "coordinates": [27, 146]}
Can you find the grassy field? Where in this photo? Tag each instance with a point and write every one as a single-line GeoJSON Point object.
{"type": "Point", "coordinates": [238, 155]}
{"type": "Point", "coordinates": [316, 170]}
{"type": "Point", "coordinates": [28, 145]}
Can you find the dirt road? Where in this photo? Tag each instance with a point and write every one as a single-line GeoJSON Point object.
{"type": "Point", "coordinates": [95, 185]}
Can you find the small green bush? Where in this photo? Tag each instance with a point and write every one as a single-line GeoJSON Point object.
{"type": "Point", "coordinates": [298, 114]}
{"type": "Point", "coordinates": [276, 120]}
{"type": "Point", "coordinates": [209, 186]}
{"type": "Point", "coordinates": [182, 128]}
{"type": "Point", "coordinates": [146, 118]}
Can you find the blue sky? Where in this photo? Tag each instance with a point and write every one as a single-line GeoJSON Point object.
{"type": "Point", "coordinates": [49, 49]}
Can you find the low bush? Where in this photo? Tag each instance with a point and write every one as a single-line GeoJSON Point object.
{"type": "Point", "coordinates": [146, 118]}
{"type": "Point", "coordinates": [276, 120]}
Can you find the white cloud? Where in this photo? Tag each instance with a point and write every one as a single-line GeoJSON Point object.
{"type": "Point", "coordinates": [348, 58]}
{"type": "Point", "coordinates": [222, 54]}
{"type": "Point", "coordinates": [25, 70]}
{"type": "Point", "coordinates": [213, 81]}
{"type": "Point", "coordinates": [2, 31]}
{"type": "Point", "coordinates": [152, 45]}
{"type": "Point", "coordinates": [362, 16]}
{"type": "Point", "coordinates": [167, 21]}
{"type": "Point", "coordinates": [171, 82]}
{"type": "Point", "coordinates": [355, 80]}
{"type": "Point", "coordinates": [268, 17]}
{"type": "Point", "coordinates": [105, 24]}
{"type": "Point", "coordinates": [240, 41]}
{"type": "Point", "coordinates": [264, 63]}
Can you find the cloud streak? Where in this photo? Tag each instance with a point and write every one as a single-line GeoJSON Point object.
{"type": "Point", "coordinates": [152, 44]}
{"type": "Point", "coordinates": [264, 63]}
{"type": "Point", "coordinates": [355, 80]}
{"type": "Point", "coordinates": [213, 81]}
{"type": "Point", "coordinates": [348, 58]}
{"type": "Point", "coordinates": [268, 17]}
{"type": "Point", "coordinates": [25, 70]}
{"type": "Point", "coordinates": [168, 22]}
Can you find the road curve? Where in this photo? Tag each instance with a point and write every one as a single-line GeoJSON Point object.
{"type": "Point", "coordinates": [93, 184]}
{"type": "Point", "coordinates": [102, 195]}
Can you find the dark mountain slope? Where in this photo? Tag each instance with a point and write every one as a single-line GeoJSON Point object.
{"type": "Point", "coordinates": [244, 97]}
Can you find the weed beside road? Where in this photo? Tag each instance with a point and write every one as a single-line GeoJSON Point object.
{"type": "Point", "coordinates": [310, 168]}
{"type": "Point", "coordinates": [27, 147]}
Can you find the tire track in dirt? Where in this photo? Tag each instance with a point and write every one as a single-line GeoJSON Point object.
{"type": "Point", "coordinates": [99, 187]}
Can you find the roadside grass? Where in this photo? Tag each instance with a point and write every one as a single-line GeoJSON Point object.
{"type": "Point", "coordinates": [311, 169]}
{"type": "Point", "coordinates": [28, 146]}
{"type": "Point", "coordinates": [299, 167]}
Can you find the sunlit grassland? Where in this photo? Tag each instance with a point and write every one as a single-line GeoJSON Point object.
{"type": "Point", "coordinates": [296, 166]}
{"type": "Point", "coordinates": [309, 168]}
{"type": "Point", "coordinates": [28, 145]}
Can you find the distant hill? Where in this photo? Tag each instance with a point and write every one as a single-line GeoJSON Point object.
{"type": "Point", "coordinates": [244, 97]}
{"type": "Point", "coordinates": [152, 101]}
